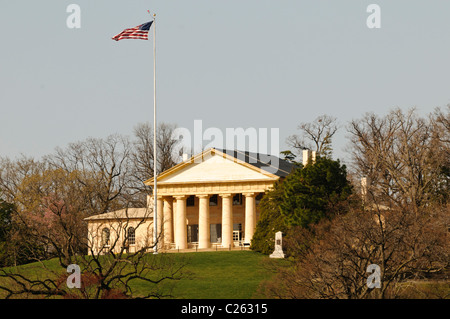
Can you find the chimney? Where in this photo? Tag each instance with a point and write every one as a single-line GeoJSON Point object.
{"type": "Point", "coordinates": [364, 186]}
{"type": "Point", "coordinates": [308, 155]}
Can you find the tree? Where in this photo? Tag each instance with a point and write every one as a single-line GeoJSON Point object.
{"type": "Point", "coordinates": [6, 210]}
{"type": "Point", "coordinates": [12, 175]}
{"type": "Point", "coordinates": [401, 224]}
{"type": "Point", "coordinates": [402, 156]}
{"type": "Point", "coordinates": [270, 220]}
{"type": "Point", "coordinates": [332, 257]}
{"type": "Point", "coordinates": [142, 155]}
{"type": "Point", "coordinates": [314, 192]}
{"type": "Point", "coordinates": [441, 128]}
{"type": "Point", "coordinates": [52, 197]}
{"type": "Point", "coordinates": [102, 169]}
{"type": "Point", "coordinates": [316, 136]}
{"type": "Point", "coordinates": [308, 195]}
{"type": "Point", "coordinates": [111, 272]}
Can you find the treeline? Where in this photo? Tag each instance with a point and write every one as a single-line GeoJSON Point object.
{"type": "Point", "coordinates": [390, 209]}
{"type": "Point", "coordinates": [43, 201]}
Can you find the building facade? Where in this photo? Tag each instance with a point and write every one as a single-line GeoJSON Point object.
{"type": "Point", "coordinates": [210, 199]}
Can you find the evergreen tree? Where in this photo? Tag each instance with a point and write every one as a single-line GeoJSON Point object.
{"type": "Point", "coordinates": [270, 220]}
{"type": "Point", "coordinates": [306, 196]}
{"type": "Point", "coordinates": [313, 192]}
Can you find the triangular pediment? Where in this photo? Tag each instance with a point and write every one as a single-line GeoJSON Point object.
{"type": "Point", "coordinates": [212, 166]}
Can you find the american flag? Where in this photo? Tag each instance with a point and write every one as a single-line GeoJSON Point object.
{"type": "Point", "coordinates": [139, 32]}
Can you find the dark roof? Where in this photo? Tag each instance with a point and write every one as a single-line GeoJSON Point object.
{"type": "Point", "coordinates": [269, 163]}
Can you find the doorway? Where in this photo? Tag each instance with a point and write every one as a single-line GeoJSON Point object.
{"type": "Point", "coordinates": [237, 234]}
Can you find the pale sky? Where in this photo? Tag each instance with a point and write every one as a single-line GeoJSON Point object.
{"type": "Point", "coordinates": [234, 63]}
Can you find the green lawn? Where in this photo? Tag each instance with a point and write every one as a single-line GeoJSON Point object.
{"type": "Point", "coordinates": [233, 274]}
{"type": "Point", "coordinates": [208, 275]}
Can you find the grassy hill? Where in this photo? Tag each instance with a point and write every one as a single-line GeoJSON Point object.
{"type": "Point", "coordinates": [232, 274]}
{"type": "Point", "coordinates": [209, 275]}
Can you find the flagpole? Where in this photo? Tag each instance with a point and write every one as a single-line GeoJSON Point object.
{"type": "Point", "coordinates": [155, 200]}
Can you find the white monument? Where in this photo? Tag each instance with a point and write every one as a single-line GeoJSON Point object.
{"type": "Point", "coordinates": [278, 252]}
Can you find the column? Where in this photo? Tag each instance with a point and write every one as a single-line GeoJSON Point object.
{"type": "Point", "coordinates": [227, 220]}
{"type": "Point", "coordinates": [180, 223]}
{"type": "Point", "coordinates": [160, 221]}
{"type": "Point", "coordinates": [250, 217]}
{"type": "Point", "coordinates": [204, 238]}
{"type": "Point", "coordinates": [168, 222]}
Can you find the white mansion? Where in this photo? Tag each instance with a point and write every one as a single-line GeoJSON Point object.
{"type": "Point", "coordinates": [208, 200]}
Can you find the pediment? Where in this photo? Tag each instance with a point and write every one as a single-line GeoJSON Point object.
{"type": "Point", "coordinates": [214, 167]}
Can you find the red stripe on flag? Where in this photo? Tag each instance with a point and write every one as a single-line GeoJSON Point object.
{"type": "Point", "coordinates": [132, 33]}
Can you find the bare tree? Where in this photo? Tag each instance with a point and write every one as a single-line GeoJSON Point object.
{"type": "Point", "coordinates": [332, 259]}
{"type": "Point", "coordinates": [442, 122]}
{"type": "Point", "coordinates": [109, 270]}
{"type": "Point", "coordinates": [401, 226]}
{"type": "Point", "coordinates": [54, 197]}
{"type": "Point", "coordinates": [120, 257]}
{"type": "Point", "coordinates": [20, 184]}
{"type": "Point", "coordinates": [316, 136]}
{"type": "Point", "coordinates": [400, 155]}
{"type": "Point", "coordinates": [142, 155]}
{"type": "Point", "coordinates": [101, 167]}
{"type": "Point", "coordinates": [12, 174]}
{"type": "Point", "coordinates": [441, 130]}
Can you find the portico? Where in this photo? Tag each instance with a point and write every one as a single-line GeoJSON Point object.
{"type": "Point", "coordinates": [208, 201]}
{"type": "Point", "coordinates": [186, 226]}
{"type": "Point", "coordinates": [211, 199]}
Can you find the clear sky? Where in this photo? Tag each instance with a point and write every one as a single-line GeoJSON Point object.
{"type": "Point", "coordinates": [233, 63]}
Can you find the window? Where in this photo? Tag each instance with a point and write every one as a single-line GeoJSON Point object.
{"type": "Point", "coordinates": [131, 236]}
{"type": "Point", "coordinates": [192, 233]}
{"type": "Point", "coordinates": [236, 235]}
{"type": "Point", "coordinates": [105, 236]}
{"type": "Point", "coordinates": [237, 232]}
{"type": "Point", "coordinates": [237, 199]}
{"type": "Point", "coordinates": [190, 201]}
{"type": "Point", "coordinates": [258, 198]}
{"type": "Point", "coordinates": [216, 233]}
{"type": "Point", "coordinates": [213, 200]}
